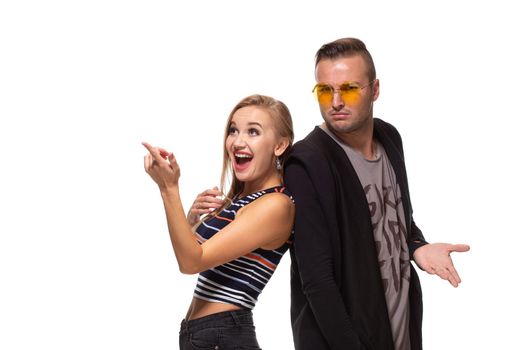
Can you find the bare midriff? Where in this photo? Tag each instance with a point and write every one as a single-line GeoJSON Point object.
{"type": "Point", "coordinates": [200, 308]}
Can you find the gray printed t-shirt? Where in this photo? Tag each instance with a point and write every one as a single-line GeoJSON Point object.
{"type": "Point", "coordinates": [388, 221]}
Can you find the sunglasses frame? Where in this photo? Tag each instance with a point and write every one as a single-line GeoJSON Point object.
{"type": "Point", "coordinates": [351, 85]}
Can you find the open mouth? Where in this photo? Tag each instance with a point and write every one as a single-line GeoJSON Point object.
{"type": "Point", "coordinates": [242, 158]}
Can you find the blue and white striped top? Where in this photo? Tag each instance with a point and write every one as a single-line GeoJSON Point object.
{"type": "Point", "coordinates": [240, 281]}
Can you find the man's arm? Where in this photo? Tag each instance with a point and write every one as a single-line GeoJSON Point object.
{"type": "Point", "coordinates": [313, 253]}
{"type": "Point", "coordinates": [434, 258]}
{"type": "Point", "coordinates": [416, 239]}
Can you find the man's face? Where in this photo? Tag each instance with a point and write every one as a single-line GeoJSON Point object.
{"type": "Point", "coordinates": [350, 107]}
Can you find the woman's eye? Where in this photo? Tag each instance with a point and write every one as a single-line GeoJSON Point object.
{"type": "Point", "coordinates": [253, 132]}
{"type": "Point", "coordinates": [232, 130]}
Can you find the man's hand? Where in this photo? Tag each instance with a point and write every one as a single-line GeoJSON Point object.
{"type": "Point", "coordinates": [205, 203]}
{"type": "Point", "coordinates": [435, 259]}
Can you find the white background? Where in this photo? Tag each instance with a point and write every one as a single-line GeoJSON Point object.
{"type": "Point", "coordinates": [85, 258]}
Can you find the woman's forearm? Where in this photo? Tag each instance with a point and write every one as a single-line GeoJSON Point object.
{"type": "Point", "coordinates": [187, 250]}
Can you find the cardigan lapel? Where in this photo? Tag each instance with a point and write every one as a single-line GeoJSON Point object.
{"type": "Point", "coordinates": [393, 149]}
{"type": "Point", "coordinates": [395, 156]}
{"type": "Point", "coordinates": [334, 152]}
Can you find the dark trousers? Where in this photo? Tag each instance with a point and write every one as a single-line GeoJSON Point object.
{"type": "Point", "coordinates": [229, 330]}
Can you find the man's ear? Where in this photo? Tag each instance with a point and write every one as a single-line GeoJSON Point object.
{"type": "Point", "coordinates": [375, 89]}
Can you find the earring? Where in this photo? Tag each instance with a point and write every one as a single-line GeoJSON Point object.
{"type": "Point", "coordinates": [278, 164]}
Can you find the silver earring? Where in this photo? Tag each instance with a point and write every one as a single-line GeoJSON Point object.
{"type": "Point", "coordinates": [278, 164]}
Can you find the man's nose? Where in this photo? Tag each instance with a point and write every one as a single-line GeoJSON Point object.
{"type": "Point", "coordinates": [337, 101]}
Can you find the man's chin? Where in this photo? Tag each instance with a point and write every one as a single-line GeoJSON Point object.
{"type": "Point", "coordinates": [341, 126]}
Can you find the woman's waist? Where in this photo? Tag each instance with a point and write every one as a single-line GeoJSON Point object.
{"type": "Point", "coordinates": [201, 308]}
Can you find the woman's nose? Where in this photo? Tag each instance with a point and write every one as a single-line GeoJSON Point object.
{"type": "Point", "coordinates": [239, 141]}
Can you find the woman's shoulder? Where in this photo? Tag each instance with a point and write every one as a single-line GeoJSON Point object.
{"type": "Point", "coordinates": [278, 198]}
{"type": "Point", "coordinates": [274, 203]}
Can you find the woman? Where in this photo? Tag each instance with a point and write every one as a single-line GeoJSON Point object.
{"type": "Point", "coordinates": [237, 247]}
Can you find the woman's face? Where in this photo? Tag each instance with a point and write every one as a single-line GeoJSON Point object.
{"type": "Point", "coordinates": [253, 144]}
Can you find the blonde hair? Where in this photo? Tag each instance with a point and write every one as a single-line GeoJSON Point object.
{"type": "Point", "coordinates": [282, 121]}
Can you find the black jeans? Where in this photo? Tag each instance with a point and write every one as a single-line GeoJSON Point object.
{"type": "Point", "coordinates": [229, 330]}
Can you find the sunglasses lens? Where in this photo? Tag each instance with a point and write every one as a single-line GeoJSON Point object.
{"type": "Point", "coordinates": [350, 94]}
{"type": "Point", "coordinates": [324, 94]}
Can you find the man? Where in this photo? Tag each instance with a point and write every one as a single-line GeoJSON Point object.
{"type": "Point", "coordinates": [353, 286]}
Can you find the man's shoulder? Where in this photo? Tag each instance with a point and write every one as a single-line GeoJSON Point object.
{"type": "Point", "coordinates": [309, 159]}
{"type": "Point", "coordinates": [381, 124]}
{"type": "Point", "coordinates": [311, 145]}
{"type": "Point", "coordinates": [383, 129]}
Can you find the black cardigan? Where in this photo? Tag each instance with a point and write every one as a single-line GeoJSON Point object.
{"type": "Point", "coordinates": [338, 300]}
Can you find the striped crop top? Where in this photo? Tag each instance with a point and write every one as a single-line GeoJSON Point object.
{"type": "Point", "coordinates": [240, 281]}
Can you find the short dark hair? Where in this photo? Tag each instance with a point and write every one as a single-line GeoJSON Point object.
{"type": "Point", "coordinates": [347, 47]}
